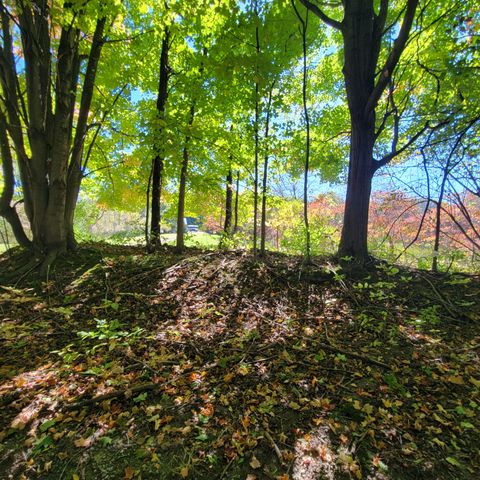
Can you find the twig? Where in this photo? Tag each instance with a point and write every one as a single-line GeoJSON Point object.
{"type": "Point", "coordinates": [275, 447]}
{"type": "Point", "coordinates": [444, 302]}
{"type": "Point", "coordinates": [363, 358]}
{"type": "Point", "coordinates": [115, 394]}
{"type": "Point", "coordinates": [226, 468]}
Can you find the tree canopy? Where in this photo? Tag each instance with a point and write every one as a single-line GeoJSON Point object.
{"type": "Point", "coordinates": [83, 113]}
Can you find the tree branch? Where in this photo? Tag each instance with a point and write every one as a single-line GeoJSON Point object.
{"type": "Point", "coordinates": [393, 58]}
{"type": "Point", "coordinates": [320, 14]}
{"type": "Point", "coordinates": [395, 152]}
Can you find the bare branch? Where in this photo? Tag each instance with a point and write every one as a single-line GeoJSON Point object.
{"type": "Point", "coordinates": [393, 58]}
{"type": "Point", "coordinates": [320, 14]}
{"type": "Point", "coordinates": [395, 152]}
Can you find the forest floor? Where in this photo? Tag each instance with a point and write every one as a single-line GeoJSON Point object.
{"type": "Point", "coordinates": [124, 365]}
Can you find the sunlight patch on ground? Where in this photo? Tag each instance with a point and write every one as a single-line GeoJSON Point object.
{"type": "Point", "coordinates": [314, 456]}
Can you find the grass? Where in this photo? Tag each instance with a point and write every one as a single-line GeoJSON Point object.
{"type": "Point", "coordinates": [195, 239]}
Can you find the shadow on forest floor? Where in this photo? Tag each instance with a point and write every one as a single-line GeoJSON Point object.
{"type": "Point", "coordinates": [211, 365]}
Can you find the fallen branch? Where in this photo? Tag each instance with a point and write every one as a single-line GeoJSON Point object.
{"type": "Point", "coordinates": [110, 395]}
{"type": "Point", "coordinates": [275, 447]}
{"type": "Point", "coordinates": [363, 358]}
{"type": "Point", "coordinates": [447, 305]}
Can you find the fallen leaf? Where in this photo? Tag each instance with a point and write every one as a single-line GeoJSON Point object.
{"type": "Point", "coordinates": [129, 473]}
{"type": "Point", "coordinates": [184, 472]}
{"type": "Point", "coordinates": [254, 462]}
{"type": "Point", "coordinates": [83, 442]}
{"type": "Point", "coordinates": [457, 380]}
{"type": "Point", "coordinates": [474, 382]}
{"type": "Point", "coordinates": [453, 461]}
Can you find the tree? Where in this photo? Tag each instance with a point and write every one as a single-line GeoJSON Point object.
{"type": "Point", "coordinates": [227, 228]}
{"type": "Point", "coordinates": [7, 210]}
{"type": "Point", "coordinates": [47, 107]}
{"type": "Point", "coordinates": [158, 164]}
{"type": "Point", "coordinates": [366, 75]}
{"type": "Point", "coordinates": [303, 30]}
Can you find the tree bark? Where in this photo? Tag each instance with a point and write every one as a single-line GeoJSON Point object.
{"type": "Point", "coordinates": [363, 29]}
{"type": "Point", "coordinates": [227, 229]}
{"type": "Point", "coordinates": [7, 211]}
{"type": "Point", "coordinates": [159, 159]}
{"type": "Point", "coordinates": [180, 246]}
{"type": "Point", "coordinates": [44, 108]}
{"type": "Point", "coordinates": [235, 224]}
{"type": "Point", "coordinates": [76, 168]}
{"type": "Point", "coordinates": [353, 242]}
{"type": "Point", "coordinates": [263, 221]}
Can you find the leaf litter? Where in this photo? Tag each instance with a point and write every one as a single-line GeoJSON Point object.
{"type": "Point", "coordinates": [213, 365]}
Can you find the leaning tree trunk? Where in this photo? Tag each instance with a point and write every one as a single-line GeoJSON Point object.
{"type": "Point", "coordinates": [7, 211]}
{"type": "Point", "coordinates": [76, 168]}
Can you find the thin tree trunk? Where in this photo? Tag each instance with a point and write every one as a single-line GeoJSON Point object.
{"type": "Point", "coordinates": [227, 229]}
{"type": "Point", "coordinates": [159, 159]}
{"type": "Point", "coordinates": [147, 212]}
{"type": "Point", "coordinates": [438, 214]}
{"type": "Point", "coordinates": [304, 26]}
{"type": "Point", "coordinates": [263, 221]}
{"type": "Point", "coordinates": [235, 224]}
{"type": "Point", "coordinates": [7, 211]}
{"type": "Point", "coordinates": [257, 117]}
{"type": "Point", "coordinates": [180, 244]}
{"type": "Point", "coordinates": [183, 184]}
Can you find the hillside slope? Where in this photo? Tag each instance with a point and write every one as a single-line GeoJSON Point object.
{"type": "Point", "coordinates": [211, 365]}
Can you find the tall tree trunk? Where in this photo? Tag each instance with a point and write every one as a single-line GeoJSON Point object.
{"type": "Point", "coordinates": [183, 185]}
{"type": "Point", "coordinates": [159, 159]}
{"type": "Point", "coordinates": [237, 186]}
{"type": "Point", "coordinates": [361, 48]}
{"type": "Point", "coordinates": [227, 228]}
{"type": "Point", "coordinates": [304, 26]}
{"type": "Point", "coordinates": [180, 244]}
{"type": "Point", "coordinates": [365, 81]}
{"type": "Point", "coordinates": [263, 221]}
{"type": "Point", "coordinates": [76, 168]}
{"type": "Point", "coordinates": [257, 118]}
{"type": "Point", "coordinates": [7, 211]}
{"type": "Point", "coordinates": [44, 107]}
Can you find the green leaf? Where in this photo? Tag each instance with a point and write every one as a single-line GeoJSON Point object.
{"type": "Point", "coordinates": [46, 425]}
{"type": "Point", "coordinates": [453, 461]}
{"type": "Point", "coordinates": [142, 397]}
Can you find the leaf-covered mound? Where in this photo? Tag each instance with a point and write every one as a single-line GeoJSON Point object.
{"type": "Point", "coordinates": [212, 365]}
